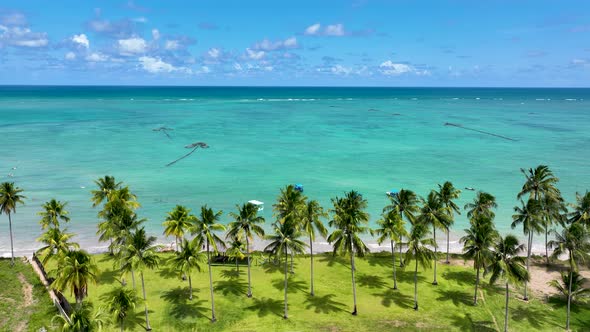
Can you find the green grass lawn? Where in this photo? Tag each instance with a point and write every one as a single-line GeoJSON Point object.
{"type": "Point", "coordinates": [24, 302]}
{"type": "Point", "coordinates": [447, 306]}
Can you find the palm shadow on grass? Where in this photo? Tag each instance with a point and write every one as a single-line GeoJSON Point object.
{"type": "Point", "coordinates": [466, 323]}
{"type": "Point", "coordinates": [407, 276]}
{"type": "Point", "coordinates": [231, 286]}
{"type": "Point", "coordinates": [109, 277]}
{"type": "Point", "coordinates": [458, 297]}
{"type": "Point", "coordinates": [460, 277]}
{"type": "Point", "coordinates": [265, 306]}
{"type": "Point", "coordinates": [560, 303]}
{"type": "Point", "coordinates": [166, 271]}
{"type": "Point", "coordinates": [390, 296]}
{"type": "Point", "coordinates": [230, 274]}
{"type": "Point", "coordinates": [293, 286]}
{"type": "Point", "coordinates": [382, 259]}
{"type": "Point", "coordinates": [323, 304]}
{"type": "Point", "coordinates": [535, 317]}
{"type": "Point", "coordinates": [180, 307]}
{"type": "Point", "coordinates": [370, 281]}
{"type": "Point", "coordinates": [332, 260]}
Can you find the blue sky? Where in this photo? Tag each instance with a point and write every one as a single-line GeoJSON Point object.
{"type": "Point", "coordinates": [319, 42]}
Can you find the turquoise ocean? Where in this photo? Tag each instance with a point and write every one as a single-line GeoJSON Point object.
{"type": "Point", "coordinates": [57, 140]}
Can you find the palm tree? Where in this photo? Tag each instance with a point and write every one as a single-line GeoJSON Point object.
{"type": "Point", "coordinates": [105, 186]}
{"type": "Point", "coordinates": [581, 212]}
{"type": "Point", "coordinates": [289, 207]}
{"type": "Point", "coordinates": [139, 254]}
{"type": "Point", "coordinates": [447, 193]}
{"type": "Point", "coordinates": [406, 203]}
{"type": "Point", "coordinates": [529, 216]}
{"type": "Point", "coordinates": [483, 203]}
{"type": "Point", "coordinates": [507, 266]}
{"type": "Point", "coordinates": [349, 219]}
{"type": "Point", "coordinates": [9, 197]}
{"type": "Point", "coordinates": [285, 238]}
{"type": "Point", "coordinates": [418, 250]}
{"type": "Point", "coordinates": [246, 223]}
{"type": "Point", "coordinates": [81, 319]}
{"type": "Point", "coordinates": [188, 259]}
{"type": "Point", "coordinates": [539, 182]}
{"type": "Point", "coordinates": [391, 227]}
{"type": "Point", "coordinates": [56, 243]}
{"type": "Point", "coordinates": [574, 241]}
{"type": "Point", "coordinates": [435, 214]}
{"type": "Point", "coordinates": [206, 226]}
{"type": "Point", "coordinates": [117, 215]}
{"type": "Point", "coordinates": [121, 304]}
{"type": "Point", "coordinates": [310, 224]}
{"type": "Point", "coordinates": [54, 212]}
{"type": "Point", "coordinates": [178, 222]}
{"type": "Point", "coordinates": [235, 250]}
{"type": "Point", "coordinates": [562, 285]}
{"type": "Point", "coordinates": [76, 270]}
{"type": "Point", "coordinates": [477, 244]}
{"type": "Point", "coordinates": [553, 211]}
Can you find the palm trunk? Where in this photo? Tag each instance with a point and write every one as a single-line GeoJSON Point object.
{"type": "Point", "coordinates": [311, 261]}
{"type": "Point", "coordinates": [416, 285]}
{"type": "Point", "coordinates": [11, 244]}
{"type": "Point", "coordinates": [190, 287]}
{"type": "Point", "coordinates": [286, 315]}
{"type": "Point", "coordinates": [354, 312]}
{"type": "Point", "coordinates": [546, 249]}
{"type": "Point", "coordinates": [248, 253]}
{"type": "Point", "coordinates": [393, 257]}
{"type": "Point", "coordinates": [176, 242]}
{"type": "Point", "coordinates": [434, 282]}
{"type": "Point", "coordinates": [476, 284]}
{"type": "Point", "coordinates": [506, 310]}
{"type": "Point", "coordinates": [448, 241]}
{"type": "Point", "coordinates": [401, 244]}
{"type": "Point", "coordinates": [292, 262]}
{"type": "Point", "coordinates": [133, 278]}
{"type": "Point", "coordinates": [213, 319]}
{"type": "Point", "coordinates": [528, 258]}
{"type": "Point", "coordinates": [122, 326]}
{"type": "Point", "coordinates": [569, 300]}
{"type": "Point", "coordinates": [147, 321]}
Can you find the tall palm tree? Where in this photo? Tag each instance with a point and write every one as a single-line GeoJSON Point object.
{"type": "Point", "coordinates": [9, 197]}
{"type": "Point", "coordinates": [539, 182]}
{"type": "Point", "coordinates": [246, 223]}
{"type": "Point", "coordinates": [121, 304]}
{"type": "Point", "coordinates": [574, 241]}
{"type": "Point", "coordinates": [140, 253]}
{"type": "Point", "coordinates": [178, 222]}
{"type": "Point", "coordinates": [118, 213]}
{"type": "Point", "coordinates": [581, 209]}
{"type": "Point", "coordinates": [418, 243]}
{"type": "Point", "coordinates": [479, 238]}
{"type": "Point", "coordinates": [530, 217]}
{"type": "Point", "coordinates": [433, 213]}
{"type": "Point", "coordinates": [76, 270]}
{"type": "Point", "coordinates": [56, 243]}
{"type": "Point", "coordinates": [391, 227]}
{"type": "Point", "coordinates": [289, 207]}
{"type": "Point", "coordinates": [406, 203]}
{"type": "Point", "coordinates": [483, 203]}
{"type": "Point", "coordinates": [447, 193]}
{"type": "Point", "coordinates": [311, 222]}
{"type": "Point", "coordinates": [507, 266]}
{"type": "Point", "coordinates": [562, 285]}
{"type": "Point", "coordinates": [188, 259]}
{"type": "Point", "coordinates": [105, 186]}
{"type": "Point", "coordinates": [349, 220]}
{"type": "Point", "coordinates": [285, 238]}
{"type": "Point", "coordinates": [553, 211]}
{"type": "Point", "coordinates": [54, 211]}
{"type": "Point", "coordinates": [81, 319]}
{"type": "Point", "coordinates": [206, 226]}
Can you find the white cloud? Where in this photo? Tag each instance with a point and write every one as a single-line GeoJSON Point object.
{"type": "Point", "coordinates": [255, 55]}
{"type": "Point", "coordinates": [155, 34]}
{"type": "Point", "coordinates": [140, 19]}
{"type": "Point", "coordinates": [96, 57]}
{"type": "Point", "coordinates": [579, 62]}
{"type": "Point", "coordinates": [334, 30]}
{"type": "Point", "coordinates": [171, 45]}
{"type": "Point", "coordinates": [340, 70]}
{"type": "Point", "coordinates": [313, 29]}
{"type": "Point", "coordinates": [238, 67]}
{"type": "Point", "coordinates": [268, 45]}
{"type": "Point", "coordinates": [70, 56]}
{"type": "Point", "coordinates": [22, 37]}
{"type": "Point", "coordinates": [290, 42]}
{"type": "Point", "coordinates": [395, 69]}
{"type": "Point", "coordinates": [81, 39]}
{"type": "Point", "coordinates": [214, 53]}
{"type": "Point", "coordinates": [157, 65]}
{"type": "Point", "coordinates": [204, 70]}
{"type": "Point", "coordinates": [13, 18]}
{"type": "Point", "coordinates": [132, 45]}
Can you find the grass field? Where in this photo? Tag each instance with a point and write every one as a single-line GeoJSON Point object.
{"type": "Point", "coordinates": [24, 302]}
{"type": "Point", "coordinates": [446, 307]}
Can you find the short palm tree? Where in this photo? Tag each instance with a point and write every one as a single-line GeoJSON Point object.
{"type": "Point", "coordinates": [76, 270]}
{"type": "Point", "coordinates": [105, 186]}
{"type": "Point", "coordinates": [433, 213]}
{"type": "Point", "coordinates": [246, 222]}
{"type": "Point", "coordinates": [349, 220]}
{"type": "Point", "coordinates": [285, 238]}
{"type": "Point", "coordinates": [139, 254]}
{"type": "Point", "coordinates": [189, 258]}
{"type": "Point", "coordinates": [56, 242]}
{"type": "Point", "coordinates": [311, 223]}
{"type": "Point", "coordinates": [121, 304]}
{"type": "Point", "coordinates": [562, 285]}
{"type": "Point", "coordinates": [406, 203]}
{"type": "Point", "coordinates": [54, 211]}
{"type": "Point", "coordinates": [418, 250]}
{"type": "Point", "coordinates": [508, 267]}
{"type": "Point", "coordinates": [9, 197]}
{"type": "Point", "coordinates": [205, 227]}
{"type": "Point", "coordinates": [117, 213]}
{"type": "Point", "coordinates": [581, 209]}
{"type": "Point", "coordinates": [178, 222]}
{"type": "Point", "coordinates": [235, 249]}
{"type": "Point", "coordinates": [447, 194]}
{"type": "Point", "coordinates": [553, 211]}
{"type": "Point", "coordinates": [539, 182]}
{"type": "Point", "coordinates": [530, 217]}
{"type": "Point", "coordinates": [478, 241]}
{"type": "Point", "coordinates": [483, 203]}
{"type": "Point", "coordinates": [391, 227]}
{"type": "Point", "coordinates": [82, 319]}
{"type": "Point", "coordinates": [573, 241]}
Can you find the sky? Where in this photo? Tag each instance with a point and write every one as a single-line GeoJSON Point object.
{"type": "Point", "coordinates": [516, 43]}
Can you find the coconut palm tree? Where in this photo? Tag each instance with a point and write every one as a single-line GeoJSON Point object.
{"type": "Point", "coordinates": [56, 243]}
{"type": "Point", "coordinates": [285, 238]}
{"type": "Point", "coordinates": [9, 197]}
{"type": "Point", "coordinates": [105, 186]}
{"type": "Point", "coordinates": [406, 203]}
{"type": "Point", "coordinates": [539, 182]}
{"type": "Point", "coordinates": [289, 204]}
{"type": "Point", "coordinates": [479, 238]}
{"type": "Point", "coordinates": [76, 269]}
{"type": "Point", "coordinates": [574, 241]}
{"type": "Point", "coordinates": [530, 217]}
{"type": "Point", "coordinates": [311, 222]}
{"type": "Point", "coordinates": [349, 220]}
{"type": "Point", "coordinates": [553, 211]}
{"type": "Point", "coordinates": [581, 209]}
{"type": "Point", "coordinates": [562, 285]}
{"type": "Point", "coordinates": [418, 243]}
{"type": "Point", "coordinates": [54, 211]}
{"type": "Point", "coordinates": [235, 250]}
{"type": "Point", "coordinates": [391, 227]}
{"type": "Point", "coordinates": [140, 254]}
{"type": "Point", "coordinates": [81, 319]}
{"type": "Point", "coordinates": [121, 304]}
{"type": "Point", "coordinates": [178, 222]}
{"type": "Point", "coordinates": [483, 203]}
{"type": "Point", "coordinates": [205, 227]}
{"type": "Point", "coordinates": [434, 214]}
{"type": "Point", "coordinates": [117, 213]}
{"type": "Point", "coordinates": [446, 194]}
{"type": "Point", "coordinates": [507, 266]}
{"type": "Point", "coordinates": [189, 258]}
{"type": "Point", "coordinates": [246, 223]}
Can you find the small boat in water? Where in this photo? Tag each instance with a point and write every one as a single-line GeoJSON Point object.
{"type": "Point", "coordinates": [469, 188]}
{"type": "Point", "coordinates": [258, 204]}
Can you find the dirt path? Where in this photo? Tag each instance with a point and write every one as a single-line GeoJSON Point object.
{"type": "Point", "coordinates": [27, 300]}
{"type": "Point", "coordinates": [483, 299]}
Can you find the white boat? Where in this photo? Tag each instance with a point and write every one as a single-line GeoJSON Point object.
{"type": "Point", "coordinates": [259, 204]}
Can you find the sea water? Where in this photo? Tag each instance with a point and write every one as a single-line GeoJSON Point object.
{"type": "Point", "coordinates": [57, 140]}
